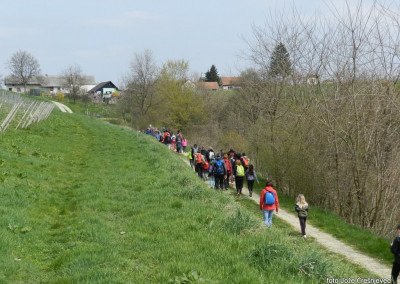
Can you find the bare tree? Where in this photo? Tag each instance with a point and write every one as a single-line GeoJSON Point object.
{"type": "Point", "coordinates": [140, 84]}
{"type": "Point", "coordinates": [73, 80]}
{"type": "Point", "coordinates": [23, 66]}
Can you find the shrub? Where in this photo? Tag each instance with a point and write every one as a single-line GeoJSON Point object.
{"type": "Point", "coordinates": [312, 265]}
{"type": "Point", "coordinates": [239, 222]}
{"type": "Point", "coordinates": [60, 96]}
{"type": "Point", "coordinates": [267, 254]}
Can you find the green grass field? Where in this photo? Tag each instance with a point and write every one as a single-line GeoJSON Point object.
{"type": "Point", "coordinates": [84, 201]}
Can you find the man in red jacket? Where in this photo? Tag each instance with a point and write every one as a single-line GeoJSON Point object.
{"type": "Point", "coordinates": [269, 202]}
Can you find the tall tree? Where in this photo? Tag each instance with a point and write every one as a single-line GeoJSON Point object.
{"type": "Point", "coordinates": [23, 66]}
{"type": "Point", "coordinates": [181, 106]}
{"type": "Point", "coordinates": [280, 65]}
{"type": "Point", "coordinates": [212, 75]}
{"type": "Point", "coordinates": [140, 85]}
{"type": "Point", "coordinates": [73, 80]}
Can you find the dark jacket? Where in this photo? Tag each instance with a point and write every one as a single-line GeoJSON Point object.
{"type": "Point", "coordinates": [395, 249]}
{"type": "Point", "coordinates": [301, 212]}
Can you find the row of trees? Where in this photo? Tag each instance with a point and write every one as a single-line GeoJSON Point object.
{"type": "Point", "coordinates": [166, 94]}
{"type": "Point", "coordinates": [333, 138]}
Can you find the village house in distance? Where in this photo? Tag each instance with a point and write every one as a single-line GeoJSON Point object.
{"type": "Point", "coordinates": [104, 91]}
{"type": "Point", "coordinates": [51, 85]}
{"type": "Point", "coordinates": [45, 84]}
{"type": "Point", "coordinates": [227, 83]}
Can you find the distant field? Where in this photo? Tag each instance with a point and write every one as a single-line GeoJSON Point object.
{"type": "Point", "coordinates": [84, 201]}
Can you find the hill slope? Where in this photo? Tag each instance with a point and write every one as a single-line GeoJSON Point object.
{"type": "Point", "coordinates": [85, 201]}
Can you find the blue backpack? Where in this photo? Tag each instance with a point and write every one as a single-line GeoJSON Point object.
{"type": "Point", "coordinates": [269, 198]}
{"type": "Point", "coordinates": [218, 167]}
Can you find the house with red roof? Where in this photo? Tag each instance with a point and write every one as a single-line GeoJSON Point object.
{"type": "Point", "coordinates": [229, 83]}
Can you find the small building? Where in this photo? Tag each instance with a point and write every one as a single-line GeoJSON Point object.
{"type": "Point", "coordinates": [229, 83]}
{"type": "Point", "coordinates": [209, 86]}
{"type": "Point", "coordinates": [104, 91]}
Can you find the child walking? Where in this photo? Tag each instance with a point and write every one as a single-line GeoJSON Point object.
{"type": "Point", "coordinates": [302, 211]}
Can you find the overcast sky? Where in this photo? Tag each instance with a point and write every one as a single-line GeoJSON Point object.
{"type": "Point", "coordinates": [102, 36]}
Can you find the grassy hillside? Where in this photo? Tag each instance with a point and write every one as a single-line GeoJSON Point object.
{"type": "Point", "coordinates": [83, 201]}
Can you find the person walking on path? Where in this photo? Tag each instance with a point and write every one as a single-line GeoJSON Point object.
{"type": "Point", "coordinates": [195, 149]}
{"type": "Point", "coordinates": [168, 140]}
{"type": "Point", "coordinates": [219, 171]}
{"type": "Point", "coordinates": [184, 144]}
{"type": "Point", "coordinates": [395, 249]}
{"type": "Point", "coordinates": [178, 141]}
{"type": "Point", "coordinates": [245, 161]}
{"type": "Point", "coordinates": [251, 176]}
{"type": "Point", "coordinates": [190, 158]}
{"type": "Point", "coordinates": [302, 211]}
{"type": "Point", "coordinates": [269, 202]}
{"type": "Point", "coordinates": [228, 167]}
{"type": "Point", "coordinates": [232, 160]}
{"type": "Point", "coordinates": [173, 142]}
{"type": "Point", "coordinates": [206, 166]}
{"type": "Point", "coordinates": [198, 162]}
{"type": "Point", "coordinates": [239, 177]}
{"type": "Point", "coordinates": [211, 174]}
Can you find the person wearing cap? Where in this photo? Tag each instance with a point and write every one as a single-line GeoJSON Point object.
{"type": "Point", "coordinates": [395, 249]}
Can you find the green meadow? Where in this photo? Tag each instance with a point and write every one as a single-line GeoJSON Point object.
{"type": "Point", "coordinates": [85, 201]}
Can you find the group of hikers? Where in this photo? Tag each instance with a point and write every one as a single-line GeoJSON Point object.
{"type": "Point", "coordinates": [224, 168]}
{"type": "Point", "coordinates": [174, 142]}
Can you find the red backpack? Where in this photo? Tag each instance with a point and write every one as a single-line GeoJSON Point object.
{"type": "Point", "coordinates": [199, 158]}
{"type": "Point", "coordinates": [206, 165]}
{"type": "Point", "coordinates": [228, 166]}
{"type": "Point", "coordinates": [246, 162]}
